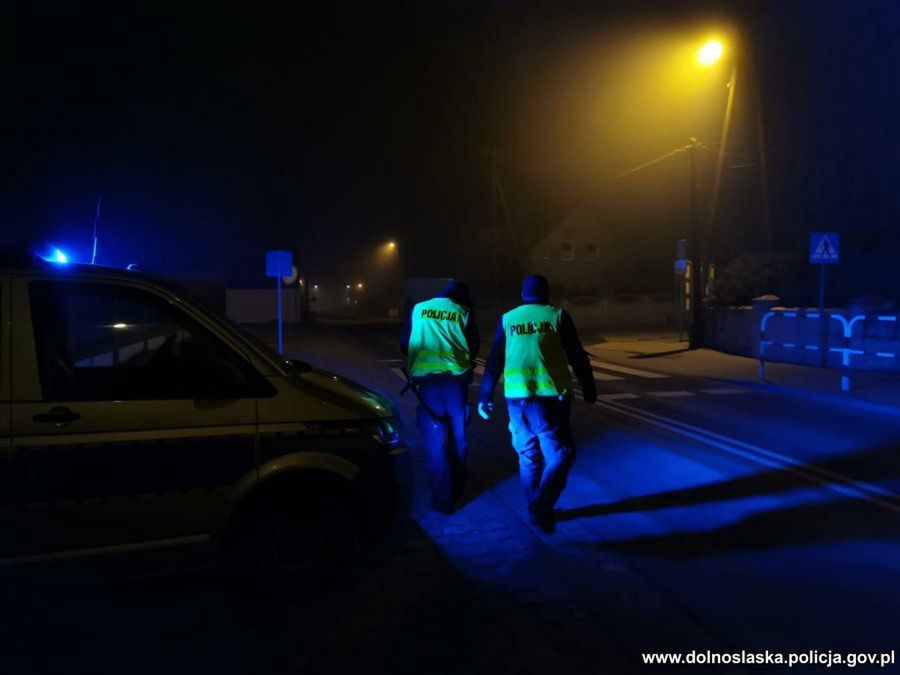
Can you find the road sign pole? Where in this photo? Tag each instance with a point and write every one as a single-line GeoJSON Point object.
{"type": "Point", "coordinates": [823, 352]}
{"type": "Point", "coordinates": [279, 265]}
{"type": "Point", "coordinates": [821, 288]}
{"type": "Point", "coordinates": [824, 249]}
{"type": "Point", "coordinates": [280, 341]}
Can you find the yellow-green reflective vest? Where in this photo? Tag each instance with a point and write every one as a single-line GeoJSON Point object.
{"type": "Point", "coordinates": [536, 363]}
{"type": "Point", "coordinates": [437, 342]}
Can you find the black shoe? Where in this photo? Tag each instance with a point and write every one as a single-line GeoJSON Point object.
{"type": "Point", "coordinates": [543, 520]}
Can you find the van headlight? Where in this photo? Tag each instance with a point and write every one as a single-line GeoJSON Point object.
{"type": "Point", "coordinates": [386, 430]}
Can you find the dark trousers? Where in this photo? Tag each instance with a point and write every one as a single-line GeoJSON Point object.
{"type": "Point", "coordinates": [542, 436]}
{"type": "Point", "coordinates": [445, 437]}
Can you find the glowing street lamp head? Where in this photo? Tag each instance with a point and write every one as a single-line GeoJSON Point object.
{"type": "Point", "coordinates": [710, 52]}
{"type": "Point", "coordinates": [392, 244]}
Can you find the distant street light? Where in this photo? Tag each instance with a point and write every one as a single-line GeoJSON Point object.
{"type": "Point", "coordinates": [359, 285]}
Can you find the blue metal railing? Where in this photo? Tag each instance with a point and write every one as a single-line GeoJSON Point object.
{"type": "Point", "coordinates": [846, 351]}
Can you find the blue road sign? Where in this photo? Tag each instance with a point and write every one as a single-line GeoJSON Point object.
{"type": "Point", "coordinates": [824, 247]}
{"type": "Point", "coordinates": [278, 263]}
{"type": "Point", "coordinates": [681, 266]}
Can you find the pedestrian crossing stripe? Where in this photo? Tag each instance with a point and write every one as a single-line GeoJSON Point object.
{"type": "Point", "coordinates": [603, 377]}
{"type": "Point", "coordinates": [637, 372]}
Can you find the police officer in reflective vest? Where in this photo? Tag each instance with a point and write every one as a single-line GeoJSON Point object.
{"type": "Point", "coordinates": [441, 342]}
{"type": "Point", "coordinates": [534, 344]}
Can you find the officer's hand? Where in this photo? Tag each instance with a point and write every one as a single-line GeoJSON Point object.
{"type": "Point", "coordinates": [486, 410]}
{"type": "Point", "coordinates": [590, 397]}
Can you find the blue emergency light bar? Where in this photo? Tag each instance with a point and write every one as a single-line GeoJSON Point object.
{"type": "Point", "coordinates": [55, 255]}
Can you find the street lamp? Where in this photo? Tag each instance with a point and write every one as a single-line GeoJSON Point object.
{"type": "Point", "coordinates": [710, 52]}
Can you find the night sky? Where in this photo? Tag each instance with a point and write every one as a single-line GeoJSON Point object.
{"type": "Point", "coordinates": [215, 133]}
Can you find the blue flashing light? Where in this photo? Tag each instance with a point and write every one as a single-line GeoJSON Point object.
{"type": "Point", "coordinates": [55, 255]}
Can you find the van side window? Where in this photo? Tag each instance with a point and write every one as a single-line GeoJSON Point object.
{"type": "Point", "coordinates": [99, 342]}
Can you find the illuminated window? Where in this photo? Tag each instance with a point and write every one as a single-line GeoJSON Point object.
{"type": "Point", "coordinates": [567, 250]}
{"type": "Point", "coordinates": [592, 250]}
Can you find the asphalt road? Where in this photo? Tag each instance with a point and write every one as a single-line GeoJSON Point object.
{"type": "Point", "coordinates": [699, 515]}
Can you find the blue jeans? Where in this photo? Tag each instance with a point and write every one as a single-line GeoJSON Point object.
{"type": "Point", "coordinates": [542, 436]}
{"type": "Point", "coordinates": [445, 438]}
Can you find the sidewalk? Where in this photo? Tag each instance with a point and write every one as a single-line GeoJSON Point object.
{"type": "Point", "coordinates": [874, 392]}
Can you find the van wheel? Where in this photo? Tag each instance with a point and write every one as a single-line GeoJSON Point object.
{"type": "Point", "coordinates": [283, 545]}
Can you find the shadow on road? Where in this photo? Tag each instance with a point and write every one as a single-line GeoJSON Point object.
{"type": "Point", "coordinates": [875, 464]}
{"type": "Point", "coordinates": [839, 521]}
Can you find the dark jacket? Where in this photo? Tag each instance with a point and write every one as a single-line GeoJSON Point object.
{"type": "Point", "coordinates": [577, 357]}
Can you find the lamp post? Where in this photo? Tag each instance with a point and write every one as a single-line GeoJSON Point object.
{"type": "Point", "coordinates": [708, 54]}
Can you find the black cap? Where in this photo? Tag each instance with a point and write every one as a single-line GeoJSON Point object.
{"type": "Point", "coordinates": [536, 288]}
{"type": "Point", "coordinates": [458, 292]}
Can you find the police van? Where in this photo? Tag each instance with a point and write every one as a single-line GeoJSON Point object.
{"type": "Point", "coordinates": [136, 424]}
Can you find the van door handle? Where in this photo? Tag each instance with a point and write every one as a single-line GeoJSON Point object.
{"type": "Point", "coordinates": [59, 417]}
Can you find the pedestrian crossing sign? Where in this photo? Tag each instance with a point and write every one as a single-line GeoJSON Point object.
{"type": "Point", "coordinates": [824, 247]}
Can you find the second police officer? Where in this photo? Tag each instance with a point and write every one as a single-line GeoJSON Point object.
{"type": "Point", "coordinates": [534, 344]}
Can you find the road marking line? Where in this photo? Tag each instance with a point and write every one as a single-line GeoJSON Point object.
{"type": "Point", "coordinates": [724, 391]}
{"type": "Point", "coordinates": [391, 360]}
{"type": "Point", "coordinates": [399, 373]}
{"type": "Point", "coordinates": [616, 397]}
{"type": "Point", "coordinates": [601, 376]}
{"type": "Point", "coordinates": [628, 371]}
{"type": "Point", "coordinates": [605, 377]}
{"type": "Point", "coordinates": [676, 393]}
{"type": "Point", "coordinates": [844, 484]}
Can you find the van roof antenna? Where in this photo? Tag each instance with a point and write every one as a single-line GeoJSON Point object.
{"type": "Point", "coordinates": [96, 221]}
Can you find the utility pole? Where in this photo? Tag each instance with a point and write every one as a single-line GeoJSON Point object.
{"type": "Point", "coordinates": [720, 162]}
{"type": "Point", "coordinates": [495, 230]}
{"type": "Point", "coordinates": [695, 302]}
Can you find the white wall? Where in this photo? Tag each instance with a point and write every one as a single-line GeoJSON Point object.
{"type": "Point", "coordinates": [259, 305]}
